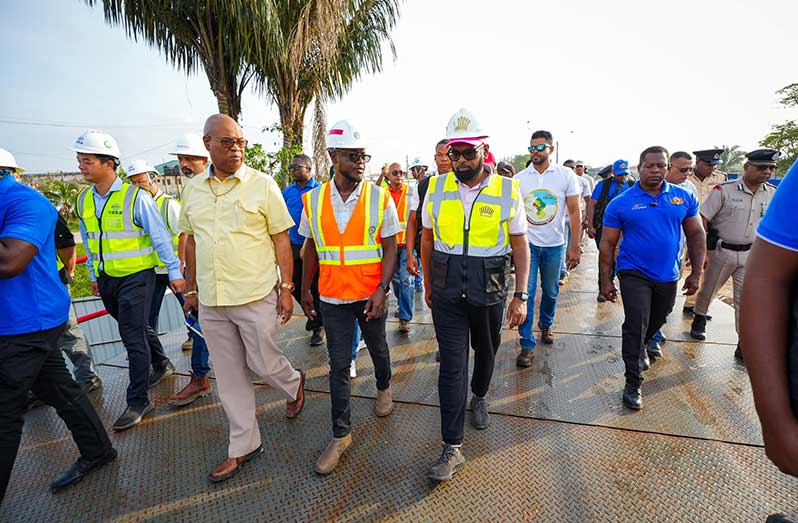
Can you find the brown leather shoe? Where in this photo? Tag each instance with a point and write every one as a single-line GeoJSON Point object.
{"type": "Point", "coordinates": [384, 404]}
{"type": "Point", "coordinates": [230, 466]}
{"type": "Point", "coordinates": [546, 336]}
{"type": "Point", "coordinates": [187, 345]}
{"type": "Point", "coordinates": [198, 387]}
{"type": "Point", "coordinates": [293, 408]}
{"type": "Point", "coordinates": [332, 454]}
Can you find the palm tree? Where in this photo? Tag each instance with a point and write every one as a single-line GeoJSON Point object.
{"type": "Point", "coordinates": [731, 159]}
{"type": "Point", "coordinates": [212, 34]}
{"type": "Point", "coordinates": [315, 50]}
{"type": "Point", "coordinates": [63, 195]}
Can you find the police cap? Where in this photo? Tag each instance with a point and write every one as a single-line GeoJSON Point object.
{"type": "Point", "coordinates": [764, 156]}
{"type": "Point", "coordinates": [605, 171]}
{"type": "Point", "coordinates": [710, 156]}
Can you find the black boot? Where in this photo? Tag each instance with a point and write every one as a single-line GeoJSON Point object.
{"type": "Point", "coordinates": [699, 327]}
{"type": "Point", "coordinates": [632, 397]}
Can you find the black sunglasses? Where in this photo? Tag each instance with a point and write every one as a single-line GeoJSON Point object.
{"type": "Point", "coordinates": [468, 154]}
{"type": "Point", "coordinates": [296, 167]}
{"type": "Point", "coordinates": [685, 170]}
{"type": "Point", "coordinates": [356, 157]}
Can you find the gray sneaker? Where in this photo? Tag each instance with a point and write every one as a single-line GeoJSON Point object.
{"type": "Point", "coordinates": [156, 375]}
{"type": "Point", "coordinates": [450, 462]}
{"type": "Point", "coordinates": [132, 417]}
{"type": "Point", "coordinates": [480, 419]}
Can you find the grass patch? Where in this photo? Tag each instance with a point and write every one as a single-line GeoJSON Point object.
{"type": "Point", "coordinates": [81, 286]}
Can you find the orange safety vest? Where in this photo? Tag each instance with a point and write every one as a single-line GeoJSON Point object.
{"type": "Point", "coordinates": [350, 264]}
{"type": "Point", "coordinates": [401, 209]}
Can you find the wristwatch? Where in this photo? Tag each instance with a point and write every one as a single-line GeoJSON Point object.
{"type": "Point", "coordinates": [521, 295]}
{"type": "Point", "coordinates": [385, 286]}
{"type": "Point", "coordinates": [288, 285]}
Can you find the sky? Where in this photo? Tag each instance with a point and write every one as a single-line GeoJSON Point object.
{"type": "Point", "coordinates": [606, 78]}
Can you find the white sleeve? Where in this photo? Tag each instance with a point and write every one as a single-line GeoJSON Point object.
{"type": "Point", "coordinates": [573, 187]}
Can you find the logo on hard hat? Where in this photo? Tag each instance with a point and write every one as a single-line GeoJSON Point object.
{"type": "Point", "coordinates": [357, 135]}
{"type": "Point", "coordinates": [107, 144]}
{"type": "Point", "coordinates": [462, 123]}
{"type": "Point", "coordinates": [336, 132]}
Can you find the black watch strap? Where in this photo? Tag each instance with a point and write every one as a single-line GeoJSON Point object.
{"type": "Point", "coordinates": [385, 286]}
{"type": "Point", "coordinates": [521, 295]}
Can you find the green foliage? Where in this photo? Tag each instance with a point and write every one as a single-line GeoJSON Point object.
{"type": "Point", "coordinates": [81, 285]}
{"type": "Point", "coordinates": [784, 137]}
{"type": "Point", "coordinates": [518, 161]}
{"type": "Point", "coordinates": [731, 159]}
{"type": "Point", "coordinates": [63, 195]}
{"type": "Point", "coordinates": [272, 163]}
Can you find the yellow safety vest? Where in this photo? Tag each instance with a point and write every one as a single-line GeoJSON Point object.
{"type": "Point", "coordinates": [115, 240]}
{"type": "Point", "coordinates": [486, 231]}
{"type": "Point", "coordinates": [163, 208]}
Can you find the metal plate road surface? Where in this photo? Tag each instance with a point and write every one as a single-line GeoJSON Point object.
{"type": "Point", "coordinates": [560, 448]}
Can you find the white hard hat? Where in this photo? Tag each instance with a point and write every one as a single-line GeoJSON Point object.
{"type": "Point", "coordinates": [464, 127]}
{"type": "Point", "coordinates": [7, 160]}
{"type": "Point", "coordinates": [96, 142]}
{"type": "Point", "coordinates": [344, 135]}
{"type": "Point", "coordinates": [417, 163]}
{"type": "Point", "coordinates": [139, 167]}
{"type": "Point", "coordinates": [190, 145]}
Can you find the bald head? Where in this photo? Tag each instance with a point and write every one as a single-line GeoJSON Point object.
{"type": "Point", "coordinates": [224, 139]}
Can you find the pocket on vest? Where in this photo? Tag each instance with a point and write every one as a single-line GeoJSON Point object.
{"type": "Point", "coordinates": [439, 269]}
{"type": "Point", "coordinates": [495, 274]}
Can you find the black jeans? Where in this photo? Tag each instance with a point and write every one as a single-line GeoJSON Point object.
{"type": "Point", "coordinates": [315, 324]}
{"type": "Point", "coordinates": [33, 362]}
{"type": "Point", "coordinates": [158, 292]}
{"type": "Point", "coordinates": [598, 246]}
{"type": "Point", "coordinates": [458, 325]}
{"type": "Point", "coordinates": [128, 299]}
{"type": "Point", "coordinates": [646, 305]}
{"type": "Point", "coordinates": [339, 325]}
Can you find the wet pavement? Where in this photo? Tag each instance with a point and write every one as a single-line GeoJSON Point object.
{"type": "Point", "coordinates": [560, 447]}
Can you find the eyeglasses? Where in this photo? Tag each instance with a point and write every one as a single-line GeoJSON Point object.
{"type": "Point", "coordinates": [228, 143]}
{"type": "Point", "coordinates": [766, 167]}
{"type": "Point", "coordinates": [685, 170]}
{"type": "Point", "coordinates": [396, 173]}
{"type": "Point", "coordinates": [539, 147]}
{"type": "Point", "coordinates": [468, 154]}
{"type": "Point", "coordinates": [6, 172]}
{"type": "Point", "coordinates": [296, 167]}
{"type": "Point", "coordinates": [356, 157]}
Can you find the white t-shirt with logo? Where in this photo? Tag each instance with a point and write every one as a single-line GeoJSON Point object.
{"type": "Point", "coordinates": [544, 199]}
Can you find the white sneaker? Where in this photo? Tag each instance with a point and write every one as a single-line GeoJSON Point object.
{"type": "Point", "coordinates": [361, 345]}
{"type": "Point", "coordinates": [353, 370]}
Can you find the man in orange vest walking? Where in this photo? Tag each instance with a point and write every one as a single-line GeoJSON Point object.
{"type": "Point", "coordinates": [402, 282]}
{"type": "Point", "coordinates": [350, 229]}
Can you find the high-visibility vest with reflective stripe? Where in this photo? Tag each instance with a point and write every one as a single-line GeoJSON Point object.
{"type": "Point", "coordinates": [401, 209]}
{"type": "Point", "coordinates": [350, 264]}
{"type": "Point", "coordinates": [115, 240]}
{"type": "Point", "coordinates": [486, 231]}
{"type": "Point", "coordinates": [163, 207]}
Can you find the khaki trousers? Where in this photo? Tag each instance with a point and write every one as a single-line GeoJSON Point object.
{"type": "Point", "coordinates": [243, 338]}
{"type": "Point", "coordinates": [723, 263]}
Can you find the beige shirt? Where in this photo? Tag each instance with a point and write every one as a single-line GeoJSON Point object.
{"type": "Point", "coordinates": [735, 212]}
{"type": "Point", "coordinates": [703, 188]}
{"type": "Point", "coordinates": [232, 222]}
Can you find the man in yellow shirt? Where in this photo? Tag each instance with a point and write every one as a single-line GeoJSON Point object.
{"type": "Point", "coordinates": [237, 226]}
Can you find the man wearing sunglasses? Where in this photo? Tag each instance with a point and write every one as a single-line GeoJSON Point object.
{"type": "Point", "coordinates": [237, 225]}
{"type": "Point", "coordinates": [350, 228]}
{"type": "Point", "coordinates": [301, 171]}
{"type": "Point", "coordinates": [402, 282]}
{"type": "Point", "coordinates": [734, 209]}
{"type": "Point", "coordinates": [472, 221]}
{"type": "Point", "coordinates": [704, 177]}
{"type": "Point", "coordinates": [550, 192]}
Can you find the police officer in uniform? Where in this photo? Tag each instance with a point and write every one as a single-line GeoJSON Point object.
{"type": "Point", "coordinates": [472, 220]}
{"type": "Point", "coordinates": [704, 177]}
{"type": "Point", "coordinates": [733, 209]}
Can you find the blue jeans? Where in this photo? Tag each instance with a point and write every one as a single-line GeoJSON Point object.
{"type": "Point", "coordinates": [356, 340]}
{"type": "Point", "coordinates": [200, 366]}
{"type": "Point", "coordinates": [546, 260]}
{"type": "Point", "coordinates": [403, 285]}
{"type": "Point", "coordinates": [564, 267]}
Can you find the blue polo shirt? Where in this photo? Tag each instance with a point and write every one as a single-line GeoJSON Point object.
{"type": "Point", "coordinates": [615, 188]}
{"type": "Point", "coordinates": [779, 225]}
{"type": "Point", "coordinates": [293, 200]}
{"type": "Point", "coordinates": [34, 300]}
{"type": "Point", "coordinates": [651, 229]}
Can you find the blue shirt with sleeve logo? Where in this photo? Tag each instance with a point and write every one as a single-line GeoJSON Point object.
{"type": "Point", "coordinates": [779, 225]}
{"type": "Point", "coordinates": [34, 300]}
{"type": "Point", "coordinates": [651, 229]}
{"type": "Point", "coordinates": [293, 200]}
